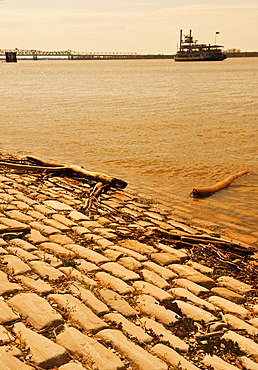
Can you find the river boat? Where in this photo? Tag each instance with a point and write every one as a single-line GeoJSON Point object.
{"type": "Point", "coordinates": [190, 50]}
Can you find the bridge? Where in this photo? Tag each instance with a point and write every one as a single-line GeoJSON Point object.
{"type": "Point", "coordinates": [70, 54]}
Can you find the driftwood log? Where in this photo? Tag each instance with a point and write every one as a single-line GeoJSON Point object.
{"type": "Point", "coordinates": [203, 192]}
{"type": "Point", "coordinates": [48, 167]}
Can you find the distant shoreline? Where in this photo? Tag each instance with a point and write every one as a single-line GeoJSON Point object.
{"type": "Point", "coordinates": [244, 54]}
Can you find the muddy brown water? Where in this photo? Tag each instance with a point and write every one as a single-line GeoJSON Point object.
{"type": "Point", "coordinates": [164, 127]}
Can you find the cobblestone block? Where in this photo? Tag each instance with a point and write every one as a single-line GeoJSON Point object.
{"type": "Point", "coordinates": [132, 330]}
{"type": "Point", "coordinates": [57, 206]}
{"type": "Point", "coordinates": [5, 336]}
{"type": "Point", "coordinates": [106, 233]}
{"type": "Point", "coordinates": [194, 288]}
{"type": "Point", "coordinates": [234, 284]}
{"type": "Point", "coordinates": [44, 229]}
{"type": "Point", "coordinates": [113, 255]}
{"type": "Point", "coordinates": [238, 324]}
{"type": "Point", "coordinates": [78, 216]}
{"type": "Point", "coordinates": [229, 295]}
{"type": "Point", "coordinates": [255, 309]}
{"type": "Point", "coordinates": [199, 267]}
{"type": "Point", "coordinates": [49, 258]}
{"type": "Point", "coordinates": [91, 224]}
{"type": "Point", "coordinates": [35, 237]}
{"type": "Point", "coordinates": [117, 303]}
{"type": "Point", "coordinates": [86, 266]}
{"type": "Point", "coordinates": [86, 253]}
{"type": "Point", "coordinates": [72, 273]}
{"type": "Point", "coordinates": [6, 313]}
{"type": "Point", "coordinates": [36, 310]}
{"type": "Point", "coordinates": [37, 285]}
{"type": "Point", "coordinates": [16, 265]}
{"type": "Point", "coordinates": [22, 254]}
{"type": "Point", "coordinates": [19, 216]}
{"type": "Point", "coordinates": [44, 352]}
{"type": "Point", "coordinates": [149, 306]}
{"type": "Point", "coordinates": [171, 357]}
{"type": "Point", "coordinates": [139, 257]}
{"type": "Point", "coordinates": [23, 244]}
{"type": "Point", "coordinates": [138, 247]}
{"type": "Point", "coordinates": [155, 279]}
{"type": "Point", "coordinates": [130, 263]}
{"type": "Point", "coordinates": [7, 288]}
{"type": "Point", "coordinates": [36, 215]}
{"type": "Point", "coordinates": [164, 334]}
{"type": "Point", "coordinates": [91, 352]}
{"type": "Point", "coordinates": [156, 216]}
{"type": "Point", "coordinates": [80, 230]}
{"type": "Point", "coordinates": [13, 223]}
{"type": "Point", "coordinates": [182, 293]}
{"type": "Point", "coordinates": [229, 307]}
{"type": "Point", "coordinates": [131, 212]}
{"type": "Point", "coordinates": [120, 271]}
{"type": "Point", "coordinates": [114, 283]}
{"type": "Point", "coordinates": [193, 275]}
{"type": "Point", "coordinates": [247, 345]}
{"type": "Point", "coordinates": [60, 239]}
{"type": "Point", "coordinates": [165, 273]}
{"type": "Point", "coordinates": [56, 249]}
{"type": "Point", "coordinates": [63, 220]}
{"type": "Point", "coordinates": [6, 198]}
{"type": "Point", "coordinates": [146, 288]}
{"type": "Point", "coordinates": [2, 251]}
{"type": "Point", "coordinates": [97, 239]}
{"type": "Point", "coordinates": [178, 254]}
{"type": "Point", "coordinates": [254, 322]}
{"type": "Point", "coordinates": [217, 363]}
{"type": "Point", "coordinates": [45, 271]}
{"type": "Point", "coordinates": [137, 356]}
{"type": "Point", "coordinates": [195, 313]}
{"type": "Point", "coordinates": [2, 242]}
{"type": "Point", "coordinates": [78, 313]}
{"type": "Point", "coordinates": [98, 307]}
{"type": "Point", "coordinates": [55, 224]}
{"type": "Point", "coordinates": [10, 362]}
{"type": "Point", "coordinates": [23, 198]}
{"type": "Point", "coordinates": [44, 209]}
{"type": "Point", "coordinates": [164, 259]}
{"type": "Point", "coordinates": [248, 364]}
{"type": "Point", "coordinates": [3, 276]}
{"type": "Point", "coordinates": [181, 226]}
{"type": "Point", "coordinates": [71, 366]}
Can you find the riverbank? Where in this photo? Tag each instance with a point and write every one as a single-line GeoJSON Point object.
{"type": "Point", "coordinates": [95, 276]}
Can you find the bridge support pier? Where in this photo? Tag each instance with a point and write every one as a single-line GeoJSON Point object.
{"type": "Point", "coordinates": [10, 56]}
{"type": "Point", "coordinates": [35, 57]}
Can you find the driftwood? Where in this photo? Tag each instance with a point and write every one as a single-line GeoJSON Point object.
{"type": "Point", "coordinates": [43, 166]}
{"type": "Point", "coordinates": [91, 203]}
{"type": "Point", "coordinates": [203, 192]}
{"type": "Point", "coordinates": [26, 167]}
{"type": "Point", "coordinates": [99, 177]}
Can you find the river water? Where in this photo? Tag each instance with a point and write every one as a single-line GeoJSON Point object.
{"type": "Point", "coordinates": [163, 126]}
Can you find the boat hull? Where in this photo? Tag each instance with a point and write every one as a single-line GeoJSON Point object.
{"type": "Point", "coordinates": [198, 58]}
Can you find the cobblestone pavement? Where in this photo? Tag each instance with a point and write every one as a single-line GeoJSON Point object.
{"type": "Point", "coordinates": [120, 285]}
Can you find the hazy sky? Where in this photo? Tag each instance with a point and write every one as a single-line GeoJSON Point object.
{"type": "Point", "coordinates": [142, 26]}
